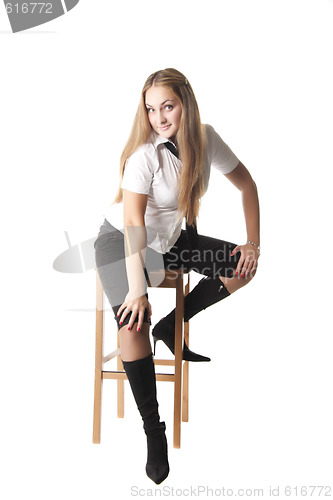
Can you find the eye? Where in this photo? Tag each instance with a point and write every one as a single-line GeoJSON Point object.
{"type": "Point", "coordinates": [169, 107]}
{"type": "Point", "coordinates": [150, 109]}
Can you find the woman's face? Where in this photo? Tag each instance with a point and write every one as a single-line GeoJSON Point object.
{"type": "Point", "coordinates": [164, 111]}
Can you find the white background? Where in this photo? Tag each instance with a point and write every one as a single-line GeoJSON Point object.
{"type": "Point", "coordinates": [261, 411]}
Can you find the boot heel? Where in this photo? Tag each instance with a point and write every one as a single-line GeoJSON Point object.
{"type": "Point", "coordinates": [155, 339]}
{"type": "Point", "coordinates": [166, 332]}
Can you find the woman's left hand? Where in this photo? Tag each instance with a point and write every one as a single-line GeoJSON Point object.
{"type": "Point", "coordinates": [248, 262]}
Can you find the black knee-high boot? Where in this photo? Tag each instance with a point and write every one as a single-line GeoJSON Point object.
{"type": "Point", "coordinates": [141, 376]}
{"type": "Point", "coordinates": [207, 292]}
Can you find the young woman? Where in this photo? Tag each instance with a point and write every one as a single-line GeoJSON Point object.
{"type": "Point", "coordinates": [164, 172]}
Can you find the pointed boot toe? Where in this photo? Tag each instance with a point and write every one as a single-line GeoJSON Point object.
{"type": "Point", "coordinates": [189, 355]}
{"type": "Point", "coordinates": [157, 467]}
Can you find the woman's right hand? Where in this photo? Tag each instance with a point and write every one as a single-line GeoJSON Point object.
{"type": "Point", "coordinates": [136, 307]}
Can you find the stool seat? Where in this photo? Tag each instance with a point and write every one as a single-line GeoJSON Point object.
{"type": "Point", "coordinates": [173, 278]}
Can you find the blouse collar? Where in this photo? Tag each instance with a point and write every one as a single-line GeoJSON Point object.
{"type": "Point", "coordinates": [157, 139]}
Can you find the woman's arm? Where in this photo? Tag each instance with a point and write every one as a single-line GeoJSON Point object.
{"type": "Point", "coordinates": [135, 241]}
{"type": "Point", "coordinates": [241, 178]}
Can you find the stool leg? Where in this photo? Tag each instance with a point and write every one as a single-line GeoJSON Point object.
{"type": "Point", "coordinates": [185, 392]}
{"type": "Point", "coordinates": [98, 362]}
{"type": "Point", "coordinates": [179, 317]}
{"type": "Point", "coordinates": [186, 364]}
{"type": "Point", "coordinates": [120, 384]}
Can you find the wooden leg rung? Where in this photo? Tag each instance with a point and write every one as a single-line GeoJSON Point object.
{"type": "Point", "coordinates": [112, 355]}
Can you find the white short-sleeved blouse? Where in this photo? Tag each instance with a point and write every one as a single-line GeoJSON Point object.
{"type": "Point", "coordinates": [153, 170]}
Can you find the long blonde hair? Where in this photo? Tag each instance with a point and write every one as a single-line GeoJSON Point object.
{"type": "Point", "coordinates": [190, 140]}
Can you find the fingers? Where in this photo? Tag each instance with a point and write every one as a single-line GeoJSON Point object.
{"type": "Point", "coordinates": [140, 317]}
{"type": "Point", "coordinates": [249, 267]}
{"type": "Point", "coordinates": [133, 319]}
{"type": "Point", "coordinates": [140, 320]}
{"type": "Point", "coordinates": [137, 316]}
{"type": "Point", "coordinates": [239, 267]}
{"type": "Point", "coordinates": [125, 310]}
{"type": "Point", "coordinates": [133, 316]}
{"type": "Point", "coordinates": [235, 250]}
{"type": "Point", "coordinates": [136, 311]}
{"type": "Point", "coordinates": [252, 272]}
{"type": "Point", "coordinates": [247, 263]}
{"type": "Point", "coordinates": [149, 312]}
{"type": "Point", "coordinates": [241, 259]}
{"type": "Point", "coordinates": [121, 308]}
{"type": "Point", "coordinates": [246, 269]}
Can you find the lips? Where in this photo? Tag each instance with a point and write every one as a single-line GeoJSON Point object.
{"type": "Point", "coordinates": [165, 128]}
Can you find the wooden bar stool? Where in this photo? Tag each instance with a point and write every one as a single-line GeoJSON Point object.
{"type": "Point", "coordinates": [180, 377]}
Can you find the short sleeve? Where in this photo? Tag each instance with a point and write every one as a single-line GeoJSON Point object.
{"type": "Point", "coordinates": [221, 156]}
{"type": "Point", "coordinates": [138, 173]}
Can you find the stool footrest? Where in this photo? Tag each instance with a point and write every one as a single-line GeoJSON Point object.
{"type": "Point", "coordinates": [114, 375]}
{"type": "Point", "coordinates": [166, 362]}
{"type": "Point", "coordinates": [165, 377]}
{"type": "Point", "coordinates": [161, 377]}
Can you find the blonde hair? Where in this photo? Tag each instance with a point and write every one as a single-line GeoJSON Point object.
{"type": "Point", "coordinates": [190, 140]}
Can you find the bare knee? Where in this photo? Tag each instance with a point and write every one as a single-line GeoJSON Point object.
{"type": "Point", "coordinates": [247, 278]}
{"type": "Point", "coordinates": [134, 344]}
{"type": "Point", "coordinates": [132, 333]}
{"type": "Point", "coordinates": [237, 282]}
